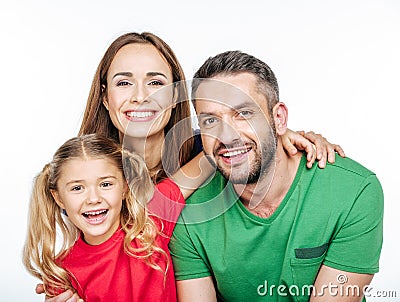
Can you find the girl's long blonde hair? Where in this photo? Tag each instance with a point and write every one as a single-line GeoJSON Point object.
{"type": "Point", "coordinates": [41, 256]}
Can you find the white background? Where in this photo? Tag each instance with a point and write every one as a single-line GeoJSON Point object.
{"type": "Point", "coordinates": [337, 64]}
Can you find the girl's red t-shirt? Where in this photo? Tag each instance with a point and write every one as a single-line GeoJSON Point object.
{"type": "Point", "coordinates": [106, 273]}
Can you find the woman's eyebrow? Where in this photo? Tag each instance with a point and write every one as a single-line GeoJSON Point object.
{"type": "Point", "coordinates": [155, 73]}
{"type": "Point", "coordinates": [124, 73]}
{"type": "Point", "coordinates": [149, 74]}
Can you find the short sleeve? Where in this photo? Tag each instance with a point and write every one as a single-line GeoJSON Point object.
{"type": "Point", "coordinates": [188, 264]}
{"type": "Point", "coordinates": [167, 204]}
{"type": "Point", "coordinates": [357, 245]}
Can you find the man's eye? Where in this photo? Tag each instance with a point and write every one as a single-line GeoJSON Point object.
{"type": "Point", "coordinates": [245, 114]}
{"type": "Point", "coordinates": [209, 121]}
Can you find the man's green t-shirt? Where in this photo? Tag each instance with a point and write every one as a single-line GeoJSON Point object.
{"type": "Point", "coordinates": [330, 216]}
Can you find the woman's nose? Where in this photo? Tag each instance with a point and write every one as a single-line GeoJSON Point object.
{"type": "Point", "coordinates": [139, 94]}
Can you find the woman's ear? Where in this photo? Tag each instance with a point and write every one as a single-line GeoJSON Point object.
{"type": "Point", "coordinates": [280, 113]}
{"type": "Point", "coordinates": [57, 199]}
{"type": "Point", "coordinates": [105, 101]}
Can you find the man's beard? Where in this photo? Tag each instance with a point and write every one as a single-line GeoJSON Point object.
{"type": "Point", "coordinates": [259, 167]}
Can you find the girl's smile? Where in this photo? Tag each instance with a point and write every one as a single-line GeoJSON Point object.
{"type": "Point", "coordinates": [91, 191]}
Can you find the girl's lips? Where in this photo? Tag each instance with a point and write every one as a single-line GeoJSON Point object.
{"type": "Point", "coordinates": [95, 217]}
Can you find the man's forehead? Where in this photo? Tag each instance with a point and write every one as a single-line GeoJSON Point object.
{"type": "Point", "coordinates": [233, 91]}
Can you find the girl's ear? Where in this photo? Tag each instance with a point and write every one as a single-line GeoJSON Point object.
{"type": "Point", "coordinates": [280, 113]}
{"type": "Point", "coordinates": [105, 101]}
{"type": "Point", "coordinates": [126, 189]}
{"type": "Point", "coordinates": [57, 198]}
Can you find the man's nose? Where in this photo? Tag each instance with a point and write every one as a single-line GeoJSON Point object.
{"type": "Point", "coordinates": [228, 133]}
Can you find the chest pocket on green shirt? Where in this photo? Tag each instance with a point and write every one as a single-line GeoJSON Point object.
{"type": "Point", "coordinates": [305, 268]}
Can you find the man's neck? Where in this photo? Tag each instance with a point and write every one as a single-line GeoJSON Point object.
{"type": "Point", "coordinates": [265, 196]}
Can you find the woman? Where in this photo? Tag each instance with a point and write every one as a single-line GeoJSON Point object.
{"type": "Point", "coordinates": [135, 67]}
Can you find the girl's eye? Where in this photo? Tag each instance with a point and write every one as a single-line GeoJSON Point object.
{"type": "Point", "coordinates": [156, 83]}
{"type": "Point", "coordinates": [123, 83]}
{"type": "Point", "coordinates": [76, 188]}
{"type": "Point", "coordinates": [106, 184]}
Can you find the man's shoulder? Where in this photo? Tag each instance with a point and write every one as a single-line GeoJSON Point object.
{"type": "Point", "coordinates": [349, 166]}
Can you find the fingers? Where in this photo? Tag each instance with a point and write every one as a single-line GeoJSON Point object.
{"type": "Point", "coordinates": [316, 146]}
{"type": "Point", "coordinates": [301, 132]}
{"type": "Point", "coordinates": [311, 154]}
{"type": "Point", "coordinates": [39, 289]}
{"type": "Point", "coordinates": [339, 150]}
{"type": "Point", "coordinates": [288, 146]}
{"type": "Point", "coordinates": [326, 151]}
{"type": "Point", "coordinates": [67, 296]}
{"type": "Point", "coordinates": [293, 141]}
{"type": "Point", "coordinates": [322, 147]}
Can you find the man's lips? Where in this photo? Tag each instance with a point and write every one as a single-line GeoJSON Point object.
{"type": "Point", "coordinates": [228, 153]}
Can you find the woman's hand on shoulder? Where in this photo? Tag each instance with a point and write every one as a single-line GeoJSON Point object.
{"type": "Point", "coordinates": [315, 145]}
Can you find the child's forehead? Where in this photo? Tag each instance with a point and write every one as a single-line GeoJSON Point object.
{"type": "Point", "coordinates": [90, 164]}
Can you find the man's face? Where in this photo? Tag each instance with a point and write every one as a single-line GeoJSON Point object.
{"type": "Point", "coordinates": [235, 127]}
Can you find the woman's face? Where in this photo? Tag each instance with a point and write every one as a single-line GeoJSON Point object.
{"type": "Point", "coordinates": [139, 95]}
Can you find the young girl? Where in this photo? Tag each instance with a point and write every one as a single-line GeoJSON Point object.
{"type": "Point", "coordinates": [113, 248]}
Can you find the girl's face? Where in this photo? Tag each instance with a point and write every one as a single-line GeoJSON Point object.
{"type": "Point", "coordinates": [135, 96]}
{"type": "Point", "coordinates": [91, 191]}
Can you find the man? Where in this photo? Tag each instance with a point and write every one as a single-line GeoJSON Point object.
{"type": "Point", "coordinates": [281, 232]}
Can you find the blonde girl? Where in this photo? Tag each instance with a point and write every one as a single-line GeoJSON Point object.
{"type": "Point", "coordinates": [112, 247]}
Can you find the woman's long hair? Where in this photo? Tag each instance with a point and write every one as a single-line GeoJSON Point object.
{"type": "Point", "coordinates": [179, 145]}
{"type": "Point", "coordinates": [41, 256]}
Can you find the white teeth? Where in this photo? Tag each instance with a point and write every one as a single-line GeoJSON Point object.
{"type": "Point", "coordinates": [95, 212]}
{"type": "Point", "coordinates": [140, 114]}
{"type": "Point", "coordinates": [234, 153]}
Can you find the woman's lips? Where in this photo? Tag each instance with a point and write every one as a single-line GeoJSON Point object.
{"type": "Point", "coordinates": [141, 116]}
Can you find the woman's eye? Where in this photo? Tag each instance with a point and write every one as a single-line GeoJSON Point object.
{"type": "Point", "coordinates": [123, 83]}
{"type": "Point", "coordinates": [156, 83]}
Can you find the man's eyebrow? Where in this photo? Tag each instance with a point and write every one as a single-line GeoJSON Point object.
{"type": "Point", "coordinates": [238, 107]}
{"type": "Point", "coordinates": [247, 104]}
{"type": "Point", "coordinates": [205, 114]}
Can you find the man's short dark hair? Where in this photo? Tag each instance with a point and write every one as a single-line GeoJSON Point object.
{"type": "Point", "coordinates": [234, 62]}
